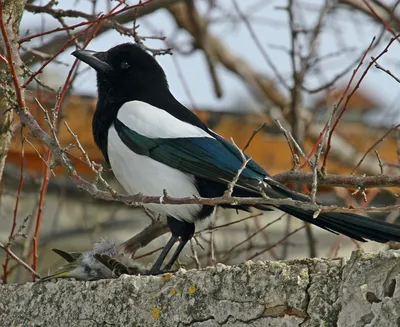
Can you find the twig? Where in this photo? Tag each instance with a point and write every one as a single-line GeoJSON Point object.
{"type": "Point", "coordinates": [3, 59]}
{"type": "Point", "coordinates": [373, 146]}
{"type": "Point", "coordinates": [200, 35]}
{"type": "Point", "coordinates": [345, 104]}
{"type": "Point", "coordinates": [385, 50]}
{"type": "Point", "coordinates": [339, 180]}
{"type": "Point", "coordinates": [265, 236]}
{"type": "Point", "coordinates": [291, 138]}
{"type": "Point", "coordinates": [43, 190]}
{"type": "Point", "coordinates": [36, 150]}
{"type": "Point", "coordinates": [334, 250]}
{"type": "Point", "coordinates": [16, 258]}
{"type": "Point", "coordinates": [296, 98]}
{"type": "Point", "coordinates": [97, 169]}
{"type": "Point", "coordinates": [71, 41]}
{"type": "Point", "coordinates": [277, 243]}
{"type": "Point", "coordinates": [212, 249]}
{"type": "Point", "coordinates": [194, 254]}
{"type": "Point", "coordinates": [285, 245]}
{"type": "Point", "coordinates": [316, 170]}
{"type": "Point", "coordinates": [259, 46]}
{"type": "Point", "coordinates": [122, 17]}
{"type": "Point", "coordinates": [253, 135]}
{"type": "Point", "coordinates": [314, 186]}
{"type": "Point", "coordinates": [12, 236]}
{"type": "Point", "coordinates": [379, 161]}
{"type": "Point", "coordinates": [232, 184]}
{"type": "Point", "coordinates": [211, 228]}
{"type": "Point", "coordinates": [228, 253]}
{"type": "Point", "coordinates": [387, 71]}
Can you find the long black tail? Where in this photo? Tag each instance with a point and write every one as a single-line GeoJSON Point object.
{"type": "Point", "coordinates": [352, 225]}
{"type": "Point", "coordinates": [355, 226]}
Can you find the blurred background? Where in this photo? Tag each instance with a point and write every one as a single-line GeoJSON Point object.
{"type": "Point", "coordinates": [239, 65]}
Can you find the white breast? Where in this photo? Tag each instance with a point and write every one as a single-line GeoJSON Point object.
{"type": "Point", "coordinates": [137, 173]}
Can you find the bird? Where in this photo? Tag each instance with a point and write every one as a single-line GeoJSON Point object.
{"type": "Point", "coordinates": [101, 262]}
{"type": "Point", "coordinates": [154, 143]}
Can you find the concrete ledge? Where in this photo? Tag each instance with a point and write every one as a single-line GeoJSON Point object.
{"type": "Point", "coordinates": [365, 291]}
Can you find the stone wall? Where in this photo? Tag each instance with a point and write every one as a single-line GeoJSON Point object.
{"type": "Point", "coordinates": [364, 291]}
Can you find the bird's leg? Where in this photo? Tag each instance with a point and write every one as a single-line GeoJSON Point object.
{"type": "Point", "coordinates": [175, 256]}
{"type": "Point", "coordinates": [156, 269]}
{"type": "Point", "coordinates": [185, 231]}
{"type": "Point", "coordinates": [178, 228]}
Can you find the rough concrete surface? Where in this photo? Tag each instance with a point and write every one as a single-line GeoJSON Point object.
{"type": "Point", "coordinates": [365, 291]}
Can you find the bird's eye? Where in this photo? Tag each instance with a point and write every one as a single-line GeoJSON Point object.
{"type": "Point", "coordinates": [124, 65]}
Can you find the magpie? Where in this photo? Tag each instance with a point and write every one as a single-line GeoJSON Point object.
{"type": "Point", "coordinates": [153, 143]}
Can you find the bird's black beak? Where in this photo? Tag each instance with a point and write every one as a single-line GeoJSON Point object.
{"type": "Point", "coordinates": [96, 60]}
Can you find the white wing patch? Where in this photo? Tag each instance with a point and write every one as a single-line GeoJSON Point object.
{"type": "Point", "coordinates": [153, 122]}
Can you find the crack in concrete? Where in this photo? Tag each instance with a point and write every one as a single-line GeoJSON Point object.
{"type": "Point", "coordinates": [308, 295]}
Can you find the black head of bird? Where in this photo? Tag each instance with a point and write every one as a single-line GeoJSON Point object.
{"type": "Point", "coordinates": [126, 71]}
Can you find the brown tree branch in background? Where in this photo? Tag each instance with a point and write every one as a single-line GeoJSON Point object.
{"type": "Point", "coordinates": [377, 17]}
{"type": "Point", "coordinates": [381, 13]}
{"type": "Point", "coordinates": [341, 149]}
{"type": "Point", "coordinates": [227, 58]}
{"type": "Point", "coordinates": [200, 29]}
{"type": "Point", "coordinates": [377, 10]}
{"type": "Point", "coordinates": [151, 232]}
{"type": "Point", "coordinates": [126, 17]}
{"type": "Point", "coordinates": [259, 46]}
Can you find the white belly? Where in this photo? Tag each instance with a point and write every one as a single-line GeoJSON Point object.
{"type": "Point", "coordinates": [137, 173]}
